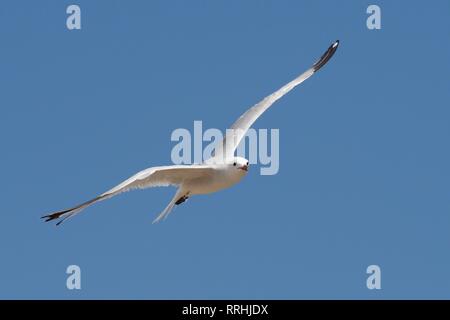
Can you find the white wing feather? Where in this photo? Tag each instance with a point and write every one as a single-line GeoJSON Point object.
{"type": "Point", "coordinates": [228, 146]}
{"type": "Point", "coordinates": [151, 177]}
{"type": "Point", "coordinates": [160, 177]}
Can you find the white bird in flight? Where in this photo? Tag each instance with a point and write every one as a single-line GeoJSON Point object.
{"type": "Point", "coordinates": [221, 171]}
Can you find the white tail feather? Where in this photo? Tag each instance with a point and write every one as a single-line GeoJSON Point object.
{"type": "Point", "coordinates": [168, 209]}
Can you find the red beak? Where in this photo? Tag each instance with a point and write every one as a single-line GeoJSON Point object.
{"type": "Point", "coordinates": [245, 168]}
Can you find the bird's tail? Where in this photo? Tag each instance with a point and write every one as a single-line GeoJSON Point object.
{"type": "Point", "coordinates": [163, 215]}
{"type": "Point", "coordinates": [66, 214]}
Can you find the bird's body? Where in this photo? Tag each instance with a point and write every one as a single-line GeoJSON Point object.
{"type": "Point", "coordinates": [221, 171]}
{"type": "Point", "coordinates": [221, 177]}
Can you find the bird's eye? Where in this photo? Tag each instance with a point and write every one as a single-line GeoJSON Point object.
{"type": "Point", "coordinates": [247, 162]}
{"type": "Point", "coordinates": [234, 164]}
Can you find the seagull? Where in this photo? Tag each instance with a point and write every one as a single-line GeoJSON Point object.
{"type": "Point", "coordinates": [221, 171]}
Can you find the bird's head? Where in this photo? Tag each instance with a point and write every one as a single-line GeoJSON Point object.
{"type": "Point", "coordinates": [238, 163]}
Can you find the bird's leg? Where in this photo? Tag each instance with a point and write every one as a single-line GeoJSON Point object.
{"type": "Point", "coordinates": [182, 199]}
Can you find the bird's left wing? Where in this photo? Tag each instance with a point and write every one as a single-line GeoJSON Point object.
{"type": "Point", "coordinates": [151, 177]}
{"type": "Point", "coordinates": [227, 147]}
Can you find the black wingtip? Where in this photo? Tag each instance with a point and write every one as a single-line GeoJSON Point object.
{"type": "Point", "coordinates": [326, 56]}
{"type": "Point", "coordinates": [47, 218]}
{"type": "Point", "coordinates": [54, 216]}
{"type": "Point", "coordinates": [51, 217]}
{"type": "Point", "coordinates": [69, 212]}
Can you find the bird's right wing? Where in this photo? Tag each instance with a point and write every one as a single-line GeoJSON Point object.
{"type": "Point", "coordinates": [226, 148]}
{"type": "Point", "coordinates": [151, 177]}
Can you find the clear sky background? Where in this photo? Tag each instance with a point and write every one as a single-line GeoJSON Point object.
{"type": "Point", "coordinates": [364, 149]}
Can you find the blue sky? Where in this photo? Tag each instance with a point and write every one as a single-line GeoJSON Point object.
{"type": "Point", "coordinates": [364, 158]}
